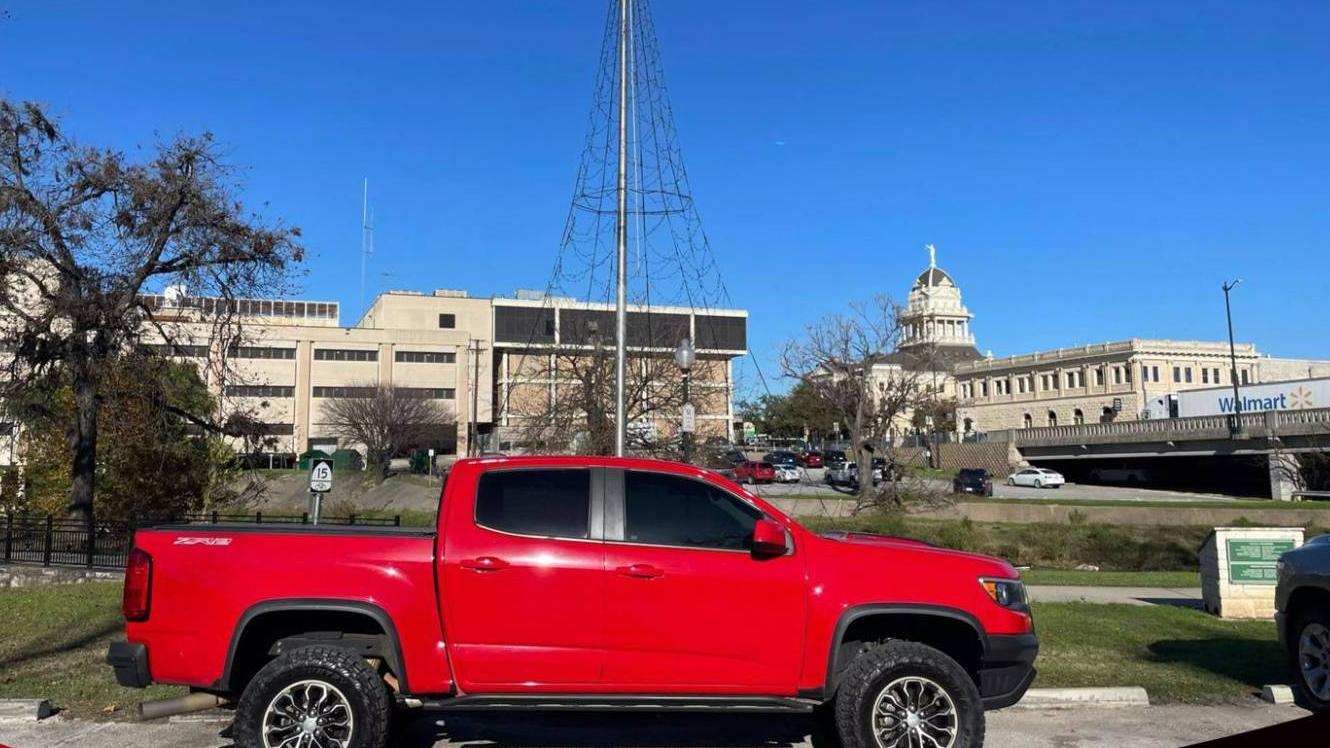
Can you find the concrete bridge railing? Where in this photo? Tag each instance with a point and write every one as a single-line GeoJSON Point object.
{"type": "Point", "coordinates": [1272, 423]}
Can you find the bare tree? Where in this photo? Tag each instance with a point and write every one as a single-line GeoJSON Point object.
{"type": "Point", "coordinates": [851, 364]}
{"type": "Point", "coordinates": [578, 414]}
{"type": "Point", "coordinates": [388, 421]}
{"type": "Point", "coordinates": [86, 235]}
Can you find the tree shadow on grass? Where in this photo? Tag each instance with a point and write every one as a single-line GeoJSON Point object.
{"type": "Point", "coordinates": [1251, 662]}
{"type": "Point", "coordinates": [26, 652]}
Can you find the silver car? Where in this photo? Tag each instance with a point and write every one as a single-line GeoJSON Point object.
{"type": "Point", "coordinates": [1302, 616]}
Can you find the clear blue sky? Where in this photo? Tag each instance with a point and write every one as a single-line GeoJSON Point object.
{"type": "Point", "coordinates": [1089, 171]}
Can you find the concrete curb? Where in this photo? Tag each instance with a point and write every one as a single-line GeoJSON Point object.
{"type": "Point", "coordinates": [1063, 698]}
{"type": "Point", "coordinates": [24, 710]}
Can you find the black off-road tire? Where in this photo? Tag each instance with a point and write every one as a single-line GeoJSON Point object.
{"type": "Point", "coordinates": [880, 665]}
{"type": "Point", "coordinates": [364, 689]}
{"type": "Point", "coordinates": [1319, 613]}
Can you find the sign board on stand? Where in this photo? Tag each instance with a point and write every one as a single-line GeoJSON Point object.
{"type": "Point", "coordinates": [320, 482]}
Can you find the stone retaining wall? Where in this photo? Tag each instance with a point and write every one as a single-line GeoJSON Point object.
{"type": "Point", "coordinates": [19, 575]}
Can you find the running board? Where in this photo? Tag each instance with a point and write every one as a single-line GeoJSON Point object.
{"type": "Point", "coordinates": [613, 702]}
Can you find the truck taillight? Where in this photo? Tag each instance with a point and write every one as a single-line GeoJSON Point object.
{"type": "Point", "coordinates": [138, 586]}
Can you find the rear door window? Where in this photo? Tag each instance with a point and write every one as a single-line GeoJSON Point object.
{"type": "Point", "coordinates": [553, 503]}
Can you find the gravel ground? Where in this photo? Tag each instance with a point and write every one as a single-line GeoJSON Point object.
{"type": "Point", "coordinates": [1153, 727]}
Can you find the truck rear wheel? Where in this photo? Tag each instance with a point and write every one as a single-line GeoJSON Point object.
{"type": "Point", "coordinates": [902, 695]}
{"type": "Point", "coordinates": [314, 697]}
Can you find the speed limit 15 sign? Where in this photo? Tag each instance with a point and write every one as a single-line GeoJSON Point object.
{"type": "Point", "coordinates": [320, 475]}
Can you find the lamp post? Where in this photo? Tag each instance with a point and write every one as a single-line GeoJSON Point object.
{"type": "Point", "coordinates": [685, 357]}
{"type": "Point", "coordinates": [1236, 425]}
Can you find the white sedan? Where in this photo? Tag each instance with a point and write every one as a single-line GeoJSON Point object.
{"type": "Point", "coordinates": [789, 474]}
{"type": "Point", "coordinates": [1037, 477]}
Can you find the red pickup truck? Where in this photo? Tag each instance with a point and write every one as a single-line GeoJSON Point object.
{"type": "Point", "coordinates": [574, 582]}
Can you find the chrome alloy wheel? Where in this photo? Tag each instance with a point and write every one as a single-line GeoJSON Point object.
{"type": "Point", "coordinates": [308, 714]}
{"type": "Point", "coordinates": [914, 712]}
{"type": "Point", "coordinates": [1314, 659]}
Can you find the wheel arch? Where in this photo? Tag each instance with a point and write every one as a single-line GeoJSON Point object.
{"type": "Point", "coordinates": [264, 624]}
{"type": "Point", "coordinates": [1300, 600]}
{"type": "Point", "coordinates": [952, 631]}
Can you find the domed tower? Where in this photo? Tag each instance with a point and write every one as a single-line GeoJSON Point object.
{"type": "Point", "coordinates": [935, 315]}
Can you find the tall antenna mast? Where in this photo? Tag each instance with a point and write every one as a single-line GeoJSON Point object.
{"type": "Point", "coordinates": [621, 232]}
{"type": "Point", "coordinates": [366, 241]}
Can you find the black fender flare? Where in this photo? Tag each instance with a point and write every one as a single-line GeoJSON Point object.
{"type": "Point", "coordinates": [393, 657]}
{"type": "Point", "coordinates": [857, 612]}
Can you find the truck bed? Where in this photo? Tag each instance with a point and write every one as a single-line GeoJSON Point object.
{"type": "Point", "coordinates": [291, 528]}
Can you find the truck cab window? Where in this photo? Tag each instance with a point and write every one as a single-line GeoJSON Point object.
{"type": "Point", "coordinates": [544, 503]}
{"type": "Point", "coordinates": [671, 510]}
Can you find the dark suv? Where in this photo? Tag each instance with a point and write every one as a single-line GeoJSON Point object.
{"type": "Point", "coordinates": [1302, 615]}
{"type": "Point", "coordinates": [972, 480]}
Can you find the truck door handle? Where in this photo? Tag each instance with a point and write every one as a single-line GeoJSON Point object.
{"type": "Point", "coordinates": [484, 563]}
{"type": "Point", "coordinates": [640, 571]}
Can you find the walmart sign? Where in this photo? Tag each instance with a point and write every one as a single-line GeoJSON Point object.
{"type": "Point", "coordinates": [1297, 395]}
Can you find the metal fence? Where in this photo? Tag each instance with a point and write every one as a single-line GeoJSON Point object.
{"type": "Point", "coordinates": [58, 541]}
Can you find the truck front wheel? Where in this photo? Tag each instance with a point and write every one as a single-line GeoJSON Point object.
{"type": "Point", "coordinates": [902, 694]}
{"type": "Point", "coordinates": [319, 697]}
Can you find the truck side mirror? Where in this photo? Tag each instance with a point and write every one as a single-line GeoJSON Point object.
{"type": "Point", "coordinates": [768, 539]}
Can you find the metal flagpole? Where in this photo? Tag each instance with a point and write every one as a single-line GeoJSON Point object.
{"type": "Point", "coordinates": [621, 301]}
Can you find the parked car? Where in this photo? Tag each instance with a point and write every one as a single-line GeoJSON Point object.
{"type": "Point", "coordinates": [972, 480]}
{"type": "Point", "coordinates": [789, 473]}
{"type": "Point", "coordinates": [1036, 477]}
{"type": "Point", "coordinates": [1121, 474]}
{"type": "Point", "coordinates": [574, 582]}
{"type": "Point", "coordinates": [782, 457]}
{"type": "Point", "coordinates": [882, 470]}
{"type": "Point", "coordinates": [1302, 616]}
{"type": "Point", "coordinates": [838, 473]}
{"type": "Point", "coordinates": [734, 456]}
{"type": "Point", "coordinates": [752, 471]}
{"type": "Point", "coordinates": [811, 459]}
{"type": "Point", "coordinates": [833, 457]}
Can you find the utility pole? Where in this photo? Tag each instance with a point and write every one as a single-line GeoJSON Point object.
{"type": "Point", "coordinates": [621, 231]}
{"type": "Point", "coordinates": [472, 430]}
{"type": "Point", "coordinates": [1236, 426]}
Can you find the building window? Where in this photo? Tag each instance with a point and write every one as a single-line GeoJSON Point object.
{"type": "Point", "coordinates": [259, 390]}
{"type": "Point", "coordinates": [1216, 376]}
{"type": "Point", "coordinates": [1177, 374]}
{"type": "Point", "coordinates": [1028, 421]}
{"type": "Point", "coordinates": [425, 357]}
{"type": "Point", "coordinates": [1052, 418]}
{"type": "Point", "coordinates": [1099, 377]}
{"type": "Point", "coordinates": [1126, 374]}
{"type": "Point", "coordinates": [1187, 374]}
{"type": "Point", "coordinates": [251, 351]}
{"type": "Point", "coordinates": [428, 393]}
{"type": "Point", "coordinates": [1078, 417]}
{"type": "Point", "coordinates": [1244, 376]}
{"type": "Point", "coordinates": [1117, 375]}
{"type": "Point", "coordinates": [180, 351]}
{"type": "Point", "coordinates": [1020, 385]}
{"type": "Point", "coordinates": [1205, 376]}
{"type": "Point", "coordinates": [448, 321]}
{"type": "Point", "coordinates": [345, 391]}
{"type": "Point", "coordinates": [338, 354]}
{"type": "Point", "coordinates": [969, 425]}
{"type": "Point", "coordinates": [983, 388]}
{"type": "Point", "coordinates": [1044, 384]}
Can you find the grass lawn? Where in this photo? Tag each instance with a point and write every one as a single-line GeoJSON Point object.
{"type": "Point", "coordinates": [1063, 577]}
{"type": "Point", "coordinates": [1178, 655]}
{"type": "Point", "coordinates": [53, 644]}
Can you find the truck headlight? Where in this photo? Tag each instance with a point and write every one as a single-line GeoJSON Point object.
{"type": "Point", "coordinates": [1009, 593]}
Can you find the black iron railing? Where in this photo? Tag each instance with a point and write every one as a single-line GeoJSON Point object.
{"type": "Point", "coordinates": [59, 541]}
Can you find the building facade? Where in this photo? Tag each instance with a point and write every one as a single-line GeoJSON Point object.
{"type": "Point", "coordinates": [492, 363]}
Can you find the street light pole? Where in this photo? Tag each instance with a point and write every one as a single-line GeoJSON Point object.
{"type": "Point", "coordinates": [1236, 425]}
{"type": "Point", "coordinates": [685, 357]}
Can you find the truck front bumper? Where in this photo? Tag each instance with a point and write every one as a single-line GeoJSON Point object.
{"type": "Point", "coordinates": [131, 664]}
{"type": "Point", "coordinates": [1007, 669]}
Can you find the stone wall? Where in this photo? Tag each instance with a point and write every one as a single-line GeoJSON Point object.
{"type": "Point", "coordinates": [19, 575]}
{"type": "Point", "coordinates": [997, 458]}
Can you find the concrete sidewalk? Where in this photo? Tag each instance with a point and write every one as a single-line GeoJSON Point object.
{"type": "Point", "coordinates": [1187, 597]}
{"type": "Point", "coordinates": [1150, 727]}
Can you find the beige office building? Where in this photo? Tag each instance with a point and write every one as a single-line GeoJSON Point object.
{"type": "Point", "coordinates": [477, 356]}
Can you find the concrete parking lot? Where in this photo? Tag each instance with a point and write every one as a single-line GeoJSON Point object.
{"type": "Point", "coordinates": [1152, 727]}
